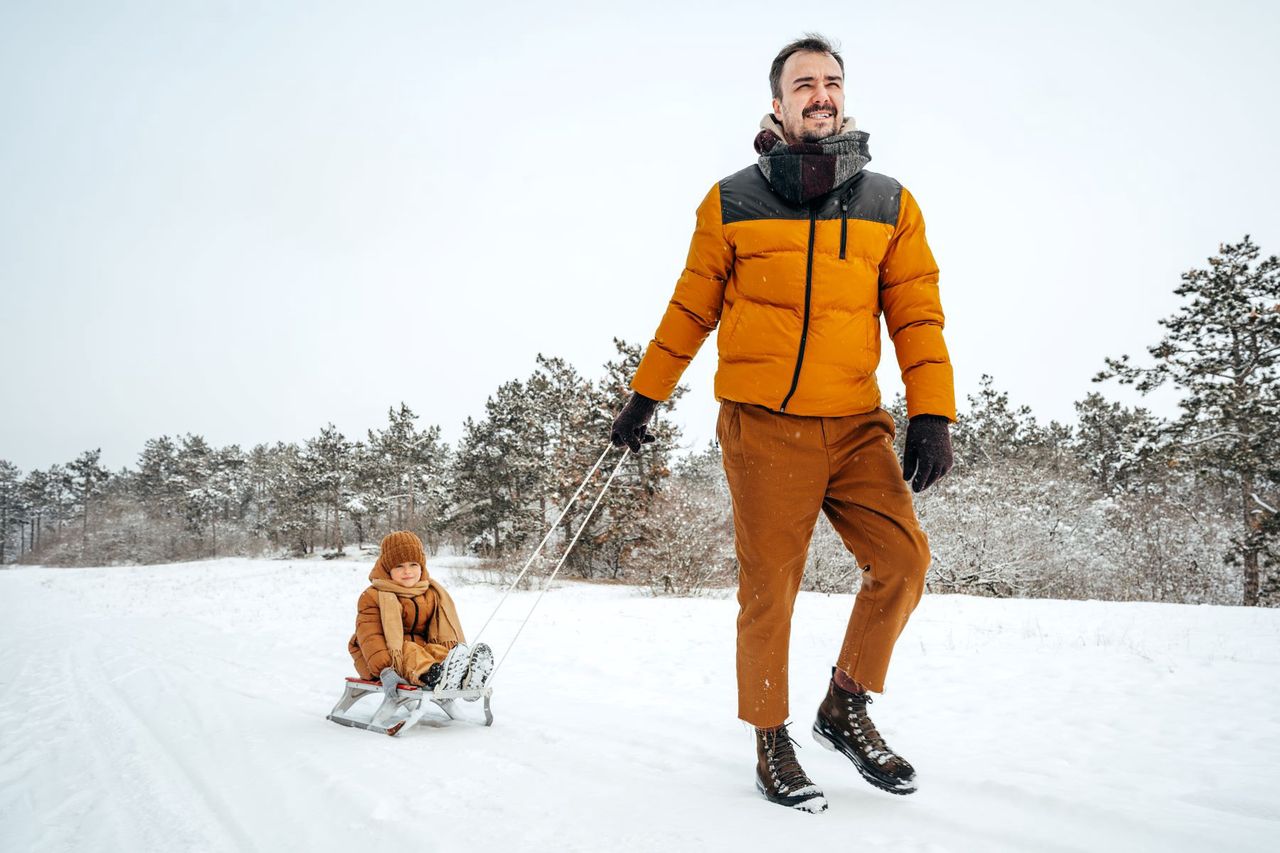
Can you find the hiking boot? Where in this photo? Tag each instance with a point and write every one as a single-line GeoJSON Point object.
{"type": "Point", "coordinates": [431, 677]}
{"type": "Point", "coordinates": [479, 668]}
{"type": "Point", "coordinates": [779, 775]}
{"type": "Point", "coordinates": [455, 667]}
{"type": "Point", "coordinates": [843, 726]}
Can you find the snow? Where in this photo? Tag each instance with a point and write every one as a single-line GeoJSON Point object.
{"type": "Point", "coordinates": [183, 708]}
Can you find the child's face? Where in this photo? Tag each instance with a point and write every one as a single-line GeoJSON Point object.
{"type": "Point", "coordinates": [406, 574]}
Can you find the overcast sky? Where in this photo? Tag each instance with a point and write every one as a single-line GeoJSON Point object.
{"type": "Point", "coordinates": [246, 220]}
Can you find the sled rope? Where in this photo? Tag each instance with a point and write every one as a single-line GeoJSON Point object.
{"type": "Point", "coordinates": [568, 505]}
{"type": "Point", "coordinates": [547, 585]}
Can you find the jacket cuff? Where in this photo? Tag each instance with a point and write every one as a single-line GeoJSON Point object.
{"type": "Point", "coordinates": [931, 391]}
{"type": "Point", "coordinates": [658, 373]}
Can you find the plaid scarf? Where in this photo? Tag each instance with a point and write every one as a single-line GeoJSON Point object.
{"type": "Point", "coordinates": [808, 170]}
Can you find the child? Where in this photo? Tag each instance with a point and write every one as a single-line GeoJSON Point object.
{"type": "Point", "coordinates": [407, 628]}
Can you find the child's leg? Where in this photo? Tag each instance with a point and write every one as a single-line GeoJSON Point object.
{"type": "Point", "coordinates": [418, 659]}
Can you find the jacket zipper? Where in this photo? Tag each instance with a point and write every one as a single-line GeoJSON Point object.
{"type": "Point", "coordinates": [808, 296]}
{"type": "Point", "coordinates": [844, 224]}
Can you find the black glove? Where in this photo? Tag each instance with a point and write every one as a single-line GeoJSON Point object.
{"type": "Point", "coordinates": [927, 456]}
{"type": "Point", "coordinates": [630, 426]}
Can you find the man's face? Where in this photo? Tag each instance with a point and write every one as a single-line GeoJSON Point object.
{"type": "Point", "coordinates": [812, 103]}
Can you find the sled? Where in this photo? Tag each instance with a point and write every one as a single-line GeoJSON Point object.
{"type": "Point", "coordinates": [404, 710]}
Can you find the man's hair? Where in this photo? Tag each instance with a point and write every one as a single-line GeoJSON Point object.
{"type": "Point", "coordinates": [811, 43]}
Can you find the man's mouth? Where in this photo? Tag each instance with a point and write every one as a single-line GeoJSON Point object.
{"type": "Point", "coordinates": [820, 114]}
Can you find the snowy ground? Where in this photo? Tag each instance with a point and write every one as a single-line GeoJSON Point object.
{"type": "Point", "coordinates": [182, 708]}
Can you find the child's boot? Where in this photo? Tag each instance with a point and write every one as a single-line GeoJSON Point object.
{"type": "Point", "coordinates": [478, 669]}
{"type": "Point", "coordinates": [431, 677]}
{"type": "Point", "coordinates": [455, 666]}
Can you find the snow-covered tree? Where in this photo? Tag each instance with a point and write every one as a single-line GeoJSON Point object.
{"type": "Point", "coordinates": [48, 501]}
{"type": "Point", "coordinates": [85, 478]}
{"type": "Point", "coordinates": [404, 474]}
{"type": "Point", "coordinates": [1221, 350]}
{"type": "Point", "coordinates": [621, 522]}
{"type": "Point", "coordinates": [12, 509]}
{"type": "Point", "coordinates": [496, 474]}
{"type": "Point", "coordinates": [991, 428]}
{"type": "Point", "coordinates": [1115, 444]}
{"type": "Point", "coordinates": [328, 460]}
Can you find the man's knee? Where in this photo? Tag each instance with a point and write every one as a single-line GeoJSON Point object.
{"type": "Point", "coordinates": [915, 561]}
{"type": "Point", "coordinates": [904, 561]}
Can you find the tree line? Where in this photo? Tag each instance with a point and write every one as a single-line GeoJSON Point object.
{"type": "Point", "coordinates": [1122, 504]}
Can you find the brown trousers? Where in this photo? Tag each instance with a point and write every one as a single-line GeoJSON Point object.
{"type": "Point", "coordinates": [417, 658]}
{"type": "Point", "coordinates": [782, 469]}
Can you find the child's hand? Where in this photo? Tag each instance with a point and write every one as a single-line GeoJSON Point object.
{"type": "Point", "coordinates": [390, 680]}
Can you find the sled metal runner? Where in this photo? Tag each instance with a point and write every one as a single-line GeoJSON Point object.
{"type": "Point", "coordinates": [403, 711]}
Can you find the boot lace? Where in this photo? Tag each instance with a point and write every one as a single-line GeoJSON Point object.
{"type": "Point", "coordinates": [781, 758]}
{"type": "Point", "coordinates": [865, 730]}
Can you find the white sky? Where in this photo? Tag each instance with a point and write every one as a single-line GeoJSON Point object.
{"type": "Point", "coordinates": [246, 220]}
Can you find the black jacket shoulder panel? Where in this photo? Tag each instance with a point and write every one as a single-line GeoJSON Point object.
{"type": "Point", "coordinates": [746, 195]}
{"type": "Point", "coordinates": [875, 198]}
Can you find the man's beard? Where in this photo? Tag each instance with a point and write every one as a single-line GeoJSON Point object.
{"type": "Point", "coordinates": [816, 134]}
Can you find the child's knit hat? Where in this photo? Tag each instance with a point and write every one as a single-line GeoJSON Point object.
{"type": "Point", "coordinates": [402, 546]}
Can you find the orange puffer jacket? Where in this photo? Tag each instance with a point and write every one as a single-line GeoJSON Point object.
{"type": "Point", "coordinates": [797, 293]}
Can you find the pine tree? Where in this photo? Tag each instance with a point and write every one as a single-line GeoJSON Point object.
{"type": "Point", "coordinates": [192, 479]}
{"type": "Point", "coordinates": [329, 460]}
{"type": "Point", "coordinates": [367, 501]}
{"type": "Point", "coordinates": [42, 495]}
{"type": "Point", "coordinates": [12, 508]}
{"type": "Point", "coordinates": [157, 488]}
{"type": "Point", "coordinates": [480, 490]}
{"type": "Point", "coordinates": [498, 472]}
{"type": "Point", "coordinates": [1115, 444]}
{"type": "Point", "coordinates": [404, 473]}
{"type": "Point", "coordinates": [1221, 351]}
{"type": "Point", "coordinates": [85, 478]}
{"type": "Point", "coordinates": [296, 492]}
{"type": "Point", "coordinates": [227, 490]}
{"type": "Point", "coordinates": [991, 428]}
{"type": "Point", "coordinates": [621, 523]}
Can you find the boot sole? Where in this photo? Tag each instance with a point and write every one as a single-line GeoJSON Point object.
{"type": "Point", "coordinates": [479, 668]}
{"type": "Point", "coordinates": [902, 788]}
{"type": "Point", "coordinates": [814, 804]}
{"type": "Point", "coordinates": [455, 668]}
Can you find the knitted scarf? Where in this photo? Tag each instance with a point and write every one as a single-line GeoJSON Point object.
{"type": "Point", "coordinates": [808, 170]}
{"type": "Point", "coordinates": [444, 628]}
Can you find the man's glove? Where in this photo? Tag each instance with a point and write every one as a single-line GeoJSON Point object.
{"type": "Point", "coordinates": [630, 427]}
{"type": "Point", "coordinates": [928, 452]}
{"type": "Point", "coordinates": [390, 681]}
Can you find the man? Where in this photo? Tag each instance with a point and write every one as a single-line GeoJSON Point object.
{"type": "Point", "coordinates": [795, 258]}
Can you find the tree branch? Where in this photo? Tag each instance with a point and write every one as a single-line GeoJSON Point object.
{"type": "Point", "coordinates": [1212, 438]}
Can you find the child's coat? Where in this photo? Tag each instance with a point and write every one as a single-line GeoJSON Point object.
{"type": "Point", "coordinates": [428, 623]}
